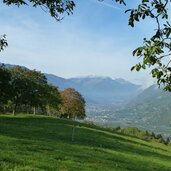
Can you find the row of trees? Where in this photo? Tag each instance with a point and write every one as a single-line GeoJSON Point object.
{"type": "Point", "coordinates": [23, 90]}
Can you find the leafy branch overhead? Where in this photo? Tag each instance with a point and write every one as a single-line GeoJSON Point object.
{"type": "Point", "coordinates": [156, 51]}
{"type": "Point", "coordinates": [54, 7]}
{"type": "Point", "coordinates": [3, 42]}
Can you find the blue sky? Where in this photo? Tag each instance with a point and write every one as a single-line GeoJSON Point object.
{"type": "Point", "coordinates": [95, 40]}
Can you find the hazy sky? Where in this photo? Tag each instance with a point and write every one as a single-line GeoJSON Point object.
{"type": "Point", "coordinates": [95, 40]}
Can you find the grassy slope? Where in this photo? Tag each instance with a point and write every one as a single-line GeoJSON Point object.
{"type": "Point", "coordinates": [40, 143]}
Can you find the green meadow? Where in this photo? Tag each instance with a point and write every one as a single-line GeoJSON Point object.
{"type": "Point", "coordinates": [39, 143]}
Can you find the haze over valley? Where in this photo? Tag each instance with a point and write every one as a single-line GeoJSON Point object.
{"type": "Point", "coordinates": [121, 103]}
{"type": "Point", "coordinates": [117, 102]}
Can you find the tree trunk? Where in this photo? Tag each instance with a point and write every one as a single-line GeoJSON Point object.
{"type": "Point", "coordinates": [14, 110]}
{"type": "Point", "coordinates": [34, 110]}
{"type": "Point", "coordinates": [4, 109]}
{"type": "Point", "coordinates": [48, 111]}
{"type": "Point", "coordinates": [73, 132]}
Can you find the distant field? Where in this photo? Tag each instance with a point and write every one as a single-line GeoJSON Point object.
{"type": "Point", "coordinates": [29, 143]}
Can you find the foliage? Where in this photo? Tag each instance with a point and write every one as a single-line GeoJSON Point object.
{"type": "Point", "coordinates": [43, 143]}
{"type": "Point", "coordinates": [37, 88]}
{"type": "Point", "coordinates": [3, 42]}
{"type": "Point", "coordinates": [4, 84]}
{"type": "Point", "coordinates": [156, 50]}
{"type": "Point", "coordinates": [73, 104]}
{"type": "Point", "coordinates": [25, 89]}
{"type": "Point", "coordinates": [54, 7]}
{"type": "Point", "coordinates": [144, 135]}
{"type": "Point", "coordinates": [53, 100]}
{"type": "Point", "coordinates": [19, 87]}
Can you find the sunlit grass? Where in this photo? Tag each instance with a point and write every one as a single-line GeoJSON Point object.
{"type": "Point", "coordinates": [32, 143]}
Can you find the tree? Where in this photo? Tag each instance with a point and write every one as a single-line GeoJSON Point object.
{"type": "Point", "coordinates": [72, 107]}
{"type": "Point", "coordinates": [37, 90]}
{"type": "Point", "coordinates": [19, 87]}
{"type": "Point", "coordinates": [5, 78]}
{"type": "Point", "coordinates": [52, 99]}
{"type": "Point", "coordinates": [73, 104]}
{"type": "Point", "coordinates": [27, 88]}
{"type": "Point", "coordinates": [24, 90]}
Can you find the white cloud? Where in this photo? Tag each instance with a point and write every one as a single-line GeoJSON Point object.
{"type": "Point", "coordinates": [109, 5]}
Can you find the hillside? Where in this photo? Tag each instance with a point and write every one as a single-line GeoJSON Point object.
{"type": "Point", "coordinates": [151, 110]}
{"type": "Point", "coordinates": [99, 90]}
{"type": "Point", "coordinates": [42, 143]}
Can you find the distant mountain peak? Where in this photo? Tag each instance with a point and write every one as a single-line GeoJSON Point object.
{"type": "Point", "coordinates": [92, 77]}
{"type": "Point", "coordinates": [121, 80]}
{"type": "Point", "coordinates": [99, 89]}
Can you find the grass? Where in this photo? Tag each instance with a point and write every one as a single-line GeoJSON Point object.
{"type": "Point", "coordinates": [29, 143]}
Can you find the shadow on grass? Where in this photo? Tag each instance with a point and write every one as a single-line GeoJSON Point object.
{"type": "Point", "coordinates": [55, 130]}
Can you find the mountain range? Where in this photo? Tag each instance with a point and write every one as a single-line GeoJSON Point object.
{"type": "Point", "coordinates": [98, 90]}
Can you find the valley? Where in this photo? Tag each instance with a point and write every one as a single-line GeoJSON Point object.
{"type": "Point", "coordinates": [117, 102]}
{"type": "Point", "coordinates": [113, 103]}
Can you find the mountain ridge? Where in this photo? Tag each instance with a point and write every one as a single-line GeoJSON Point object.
{"type": "Point", "coordinates": [97, 89]}
{"type": "Point", "coordinates": [150, 109]}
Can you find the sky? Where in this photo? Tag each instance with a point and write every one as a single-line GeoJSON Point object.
{"type": "Point", "coordinates": [95, 40]}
